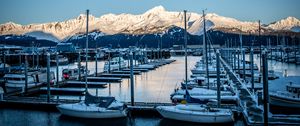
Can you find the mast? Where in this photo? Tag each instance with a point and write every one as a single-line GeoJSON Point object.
{"type": "Point", "coordinates": [185, 50]}
{"type": "Point", "coordinates": [260, 60]}
{"type": "Point", "coordinates": [86, 48]}
{"type": "Point", "coordinates": [206, 56]}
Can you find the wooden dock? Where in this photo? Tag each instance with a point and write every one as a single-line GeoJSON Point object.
{"type": "Point", "coordinates": [82, 84]}
{"type": "Point", "coordinates": [63, 91]}
{"type": "Point", "coordinates": [114, 75]}
{"type": "Point", "coordinates": [104, 79]}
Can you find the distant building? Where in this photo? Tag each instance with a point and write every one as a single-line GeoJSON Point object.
{"type": "Point", "coordinates": [65, 47]}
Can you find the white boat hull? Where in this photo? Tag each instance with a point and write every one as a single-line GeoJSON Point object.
{"type": "Point", "coordinates": [86, 113]}
{"type": "Point", "coordinates": [193, 116]}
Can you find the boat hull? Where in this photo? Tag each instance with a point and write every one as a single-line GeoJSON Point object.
{"type": "Point", "coordinates": [283, 102]}
{"type": "Point", "coordinates": [190, 116]}
{"type": "Point", "coordinates": [93, 114]}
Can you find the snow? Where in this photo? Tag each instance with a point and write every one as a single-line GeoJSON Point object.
{"type": "Point", "coordinates": [155, 20]}
{"type": "Point", "coordinates": [286, 24]}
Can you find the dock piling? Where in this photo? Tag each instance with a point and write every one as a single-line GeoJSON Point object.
{"type": "Point", "coordinates": [48, 77]}
{"type": "Point", "coordinates": [252, 69]}
{"type": "Point", "coordinates": [57, 64]}
{"type": "Point", "coordinates": [265, 86]}
{"type": "Point", "coordinates": [218, 78]}
{"type": "Point", "coordinates": [26, 73]}
{"type": "Point", "coordinates": [79, 65]}
{"type": "Point", "coordinates": [131, 78]}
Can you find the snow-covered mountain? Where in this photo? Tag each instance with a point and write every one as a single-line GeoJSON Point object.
{"type": "Point", "coordinates": [290, 24]}
{"type": "Point", "coordinates": [155, 20]}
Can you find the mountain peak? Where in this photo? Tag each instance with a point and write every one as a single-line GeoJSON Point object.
{"type": "Point", "coordinates": [285, 24]}
{"type": "Point", "coordinates": [157, 9]}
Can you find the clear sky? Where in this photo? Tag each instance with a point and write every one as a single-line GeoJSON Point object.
{"type": "Point", "coordinates": [41, 11]}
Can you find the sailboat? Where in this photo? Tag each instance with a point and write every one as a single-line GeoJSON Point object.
{"type": "Point", "coordinates": [195, 112]}
{"type": "Point", "coordinates": [93, 106]}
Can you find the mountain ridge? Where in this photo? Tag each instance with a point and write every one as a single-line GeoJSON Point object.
{"type": "Point", "coordinates": [155, 20]}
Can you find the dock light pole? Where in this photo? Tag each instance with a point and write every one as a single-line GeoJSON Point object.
{"type": "Point", "coordinates": [218, 79]}
{"type": "Point", "coordinates": [26, 73]}
{"type": "Point", "coordinates": [265, 84]}
{"type": "Point", "coordinates": [86, 48]}
{"type": "Point", "coordinates": [57, 64]}
{"type": "Point", "coordinates": [131, 78]}
{"type": "Point", "coordinates": [48, 77]}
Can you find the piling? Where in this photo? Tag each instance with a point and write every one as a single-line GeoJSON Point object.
{"type": "Point", "coordinates": [252, 69]}
{"type": "Point", "coordinates": [109, 62]}
{"type": "Point", "coordinates": [79, 66]}
{"type": "Point", "coordinates": [26, 73]}
{"type": "Point", "coordinates": [244, 65]}
{"type": "Point", "coordinates": [96, 65]}
{"type": "Point", "coordinates": [265, 85]}
{"type": "Point", "coordinates": [234, 60]}
{"type": "Point", "coordinates": [37, 60]}
{"type": "Point", "coordinates": [238, 59]}
{"type": "Point", "coordinates": [4, 61]}
{"type": "Point", "coordinates": [57, 64]}
{"type": "Point", "coordinates": [131, 79]}
{"type": "Point", "coordinates": [48, 77]}
{"type": "Point", "coordinates": [185, 49]}
{"type": "Point", "coordinates": [218, 78]}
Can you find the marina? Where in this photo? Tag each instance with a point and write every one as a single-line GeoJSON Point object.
{"type": "Point", "coordinates": [241, 73]}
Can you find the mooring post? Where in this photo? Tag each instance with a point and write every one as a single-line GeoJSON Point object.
{"type": "Point", "coordinates": [37, 59]}
{"type": "Point", "coordinates": [218, 78]}
{"type": "Point", "coordinates": [131, 78]}
{"type": "Point", "coordinates": [108, 61]}
{"type": "Point", "coordinates": [57, 64]}
{"type": "Point", "coordinates": [234, 60]}
{"type": "Point", "coordinates": [4, 61]}
{"type": "Point", "coordinates": [239, 61]}
{"type": "Point", "coordinates": [265, 85]}
{"type": "Point", "coordinates": [48, 77]}
{"type": "Point", "coordinates": [252, 69]}
{"type": "Point", "coordinates": [244, 65]}
{"type": "Point", "coordinates": [26, 73]}
{"type": "Point", "coordinates": [79, 66]}
{"type": "Point", "coordinates": [119, 59]}
{"type": "Point", "coordinates": [20, 60]}
{"type": "Point", "coordinates": [96, 64]}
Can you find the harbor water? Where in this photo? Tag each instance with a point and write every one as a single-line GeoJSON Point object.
{"type": "Point", "coordinates": [153, 86]}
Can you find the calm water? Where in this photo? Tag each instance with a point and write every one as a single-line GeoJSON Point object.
{"type": "Point", "coordinates": [153, 86]}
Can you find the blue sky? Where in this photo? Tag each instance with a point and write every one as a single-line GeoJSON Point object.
{"type": "Point", "coordinates": [41, 11]}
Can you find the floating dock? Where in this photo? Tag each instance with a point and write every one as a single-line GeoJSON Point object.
{"type": "Point", "coordinates": [82, 84]}
{"type": "Point", "coordinates": [104, 79]}
{"type": "Point", "coordinates": [63, 91]}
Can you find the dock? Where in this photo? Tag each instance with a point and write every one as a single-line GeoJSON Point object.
{"type": "Point", "coordinates": [63, 91]}
{"type": "Point", "coordinates": [115, 75]}
{"type": "Point", "coordinates": [126, 72]}
{"type": "Point", "coordinates": [104, 79]}
{"type": "Point", "coordinates": [82, 84]}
